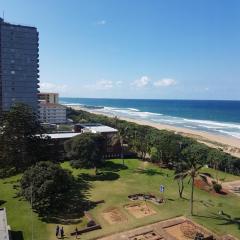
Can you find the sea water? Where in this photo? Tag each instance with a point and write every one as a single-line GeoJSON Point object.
{"type": "Point", "coordinates": [214, 116]}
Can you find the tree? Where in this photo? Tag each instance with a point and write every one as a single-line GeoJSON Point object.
{"type": "Point", "coordinates": [192, 172]}
{"type": "Point", "coordinates": [154, 155]}
{"type": "Point", "coordinates": [195, 156]}
{"type": "Point", "coordinates": [20, 138]}
{"type": "Point", "coordinates": [142, 141]}
{"type": "Point", "coordinates": [180, 168]}
{"type": "Point", "coordinates": [46, 185]}
{"type": "Point", "coordinates": [86, 150]}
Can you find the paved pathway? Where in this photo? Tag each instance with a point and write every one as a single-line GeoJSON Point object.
{"type": "Point", "coordinates": [233, 187]}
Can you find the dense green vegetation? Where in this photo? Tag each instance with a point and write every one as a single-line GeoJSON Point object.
{"type": "Point", "coordinates": [85, 150]}
{"type": "Point", "coordinates": [163, 147]}
{"type": "Point", "coordinates": [21, 140]}
{"type": "Point", "coordinates": [113, 186]}
{"type": "Point", "coordinates": [47, 186]}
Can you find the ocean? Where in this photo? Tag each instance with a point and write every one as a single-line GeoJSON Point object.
{"type": "Point", "coordinates": [213, 116]}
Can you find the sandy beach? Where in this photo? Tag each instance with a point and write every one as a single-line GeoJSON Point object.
{"type": "Point", "coordinates": [228, 144]}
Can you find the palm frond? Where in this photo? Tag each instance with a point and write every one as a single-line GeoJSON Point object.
{"type": "Point", "coordinates": [203, 177]}
{"type": "Point", "coordinates": [180, 176]}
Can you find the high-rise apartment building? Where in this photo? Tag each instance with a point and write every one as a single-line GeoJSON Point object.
{"type": "Point", "coordinates": [18, 65]}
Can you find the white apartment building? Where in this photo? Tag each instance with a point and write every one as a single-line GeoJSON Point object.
{"type": "Point", "coordinates": [49, 97]}
{"type": "Point", "coordinates": [52, 113]}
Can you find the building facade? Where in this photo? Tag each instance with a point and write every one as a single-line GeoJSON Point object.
{"type": "Point", "coordinates": [18, 65]}
{"type": "Point", "coordinates": [52, 113]}
{"type": "Point", "coordinates": [49, 97]}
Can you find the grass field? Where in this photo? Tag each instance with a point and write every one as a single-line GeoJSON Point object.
{"type": "Point", "coordinates": [116, 183]}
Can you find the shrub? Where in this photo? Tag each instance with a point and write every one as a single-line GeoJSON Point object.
{"type": "Point", "coordinates": [7, 172]}
{"type": "Point", "coordinates": [217, 187]}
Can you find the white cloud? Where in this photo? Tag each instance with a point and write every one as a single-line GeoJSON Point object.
{"type": "Point", "coordinates": [119, 83]}
{"type": "Point", "coordinates": [52, 87]}
{"type": "Point", "coordinates": [142, 82]}
{"type": "Point", "coordinates": [101, 85]}
{"type": "Point", "coordinates": [101, 22]}
{"type": "Point", "coordinates": [206, 89]}
{"type": "Point", "coordinates": [165, 82]}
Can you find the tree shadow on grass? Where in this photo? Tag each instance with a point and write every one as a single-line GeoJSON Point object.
{"type": "Point", "coordinates": [149, 171]}
{"type": "Point", "coordinates": [226, 219]}
{"type": "Point", "coordinates": [16, 235]}
{"type": "Point", "coordinates": [2, 202]}
{"type": "Point", "coordinates": [113, 167]}
{"type": "Point", "coordinates": [103, 176]}
{"type": "Point", "coordinates": [77, 201]}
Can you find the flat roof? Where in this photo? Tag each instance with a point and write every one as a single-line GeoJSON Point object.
{"type": "Point", "coordinates": [46, 93]}
{"type": "Point", "coordinates": [3, 225]}
{"type": "Point", "coordinates": [88, 124]}
{"type": "Point", "coordinates": [61, 135]}
{"type": "Point", "coordinates": [101, 129]}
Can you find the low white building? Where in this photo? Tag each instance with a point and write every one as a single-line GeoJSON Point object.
{"type": "Point", "coordinates": [52, 113]}
{"type": "Point", "coordinates": [102, 129]}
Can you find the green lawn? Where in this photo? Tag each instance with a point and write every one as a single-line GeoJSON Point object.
{"type": "Point", "coordinates": [114, 187]}
{"type": "Point", "coordinates": [222, 176]}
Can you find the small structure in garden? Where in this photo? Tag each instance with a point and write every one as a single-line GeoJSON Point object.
{"type": "Point", "coordinates": [140, 210]}
{"type": "Point", "coordinates": [113, 216]}
{"type": "Point", "coordinates": [146, 197]}
{"type": "Point", "coordinates": [151, 235]}
{"type": "Point", "coordinates": [91, 225]}
{"type": "Point", "coordinates": [179, 228]}
{"type": "Point", "coordinates": [188, 230]}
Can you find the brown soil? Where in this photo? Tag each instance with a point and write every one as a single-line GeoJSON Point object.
{"type": "Point", "coordinates": [186, 231]}
{"type": "Point", "coordinates": [201, 185]}
{"type": "Point", "coordinates": [113, 216]}
{"type": "Point", "coordinates": [204, 186]}
{"type": "Point", "coordinates": [152, 235]}
{"type": "Point", "coordinates": [176, 232]}
{"type": "Point", "coordinates": [140, 210]}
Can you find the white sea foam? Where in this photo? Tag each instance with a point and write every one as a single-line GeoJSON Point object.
{"type": "Point", "coordinates": [233, 134]}
{"type": "Point", "coordinates": [71, 104]}
{"type": "Point", "coordinates": [187, 126]}
{"type": "Point", "coordinates": [133, 109]}
{"type": "Point", "coordinates": [214, 123]}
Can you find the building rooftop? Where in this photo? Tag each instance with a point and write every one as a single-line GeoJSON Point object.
{"type": "Point", "coordinates": [3, 225]}
{"type": "Point", "coordinates": [42, 93]}
{"type": "Point", "coordinates": [62, 135]}
{"type": "Point", "coordinates": [101, 129]}
{"type": "Point", "coordinates": [88, 124]}
{"type": "Point", "coordinates": [96, 128]}
{"type": "Point", "coordinates": [16, 24]}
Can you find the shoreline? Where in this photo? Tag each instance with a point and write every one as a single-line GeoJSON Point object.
{"type": "Point", "coordinates": [227, 144]}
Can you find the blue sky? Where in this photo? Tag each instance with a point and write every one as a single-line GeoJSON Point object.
{"type": "Point", "coordinates": [166, 49]}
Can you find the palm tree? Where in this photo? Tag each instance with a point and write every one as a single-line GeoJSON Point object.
{"type": "Point", "coordinates": [190, 170]}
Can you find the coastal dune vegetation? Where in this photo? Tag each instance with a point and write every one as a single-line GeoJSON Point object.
{"type": "Point", "coordinates": [162, 146]}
